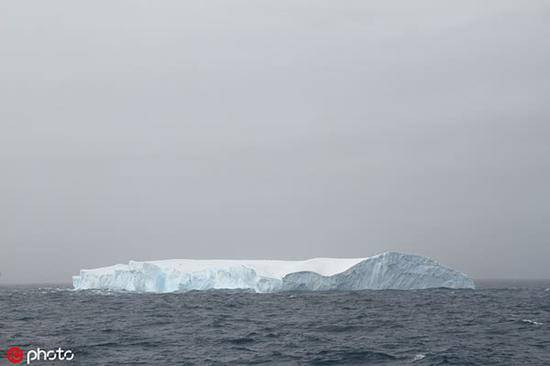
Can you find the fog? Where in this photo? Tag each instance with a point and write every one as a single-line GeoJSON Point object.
{"type": "Point", "coordinates": [274, 129]}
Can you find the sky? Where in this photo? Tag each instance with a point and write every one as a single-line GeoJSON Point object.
{"type": "Point", "coordinates": [263, 129]}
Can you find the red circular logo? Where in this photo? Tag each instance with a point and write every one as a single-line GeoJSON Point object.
{"type": "Point", "coordinates": [15, 355]}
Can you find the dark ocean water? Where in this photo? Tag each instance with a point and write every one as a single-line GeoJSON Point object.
{"type": "Point", "coordinates": [500, 324]}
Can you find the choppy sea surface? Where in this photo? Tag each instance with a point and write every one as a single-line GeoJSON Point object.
{"type": "Point", "coordinates": [502, 323]}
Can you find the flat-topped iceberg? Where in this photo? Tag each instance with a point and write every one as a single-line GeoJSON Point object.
{"type": "Point", "coordinates": [390, 270]}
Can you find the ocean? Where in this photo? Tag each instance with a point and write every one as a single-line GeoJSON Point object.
{"type": "Point", "coordinates": [501, 323]}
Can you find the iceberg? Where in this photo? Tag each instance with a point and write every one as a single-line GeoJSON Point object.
{"type": "Point", "coordinates": [390, 270]}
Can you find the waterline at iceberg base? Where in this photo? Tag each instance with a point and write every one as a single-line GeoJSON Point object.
{"type": "Point", "coordinates": [390, 270]}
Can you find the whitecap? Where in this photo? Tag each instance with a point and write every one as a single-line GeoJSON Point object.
{"type": "Point", "coordinates": [529, 321]}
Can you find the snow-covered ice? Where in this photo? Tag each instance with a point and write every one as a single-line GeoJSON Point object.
{"type": "Point", "coordinates": [390, 270]}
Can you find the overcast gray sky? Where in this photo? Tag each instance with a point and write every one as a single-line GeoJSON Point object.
{"type": "Point", "coordinates": [274, 129]}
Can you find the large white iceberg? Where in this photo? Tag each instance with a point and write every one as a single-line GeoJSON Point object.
{"type": "Point", "coordinates": [390, 270]}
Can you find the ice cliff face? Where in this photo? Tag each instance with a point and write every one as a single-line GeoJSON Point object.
{"type": "Point", "coordinates": [384, 271]}
{"type": "Point", "coordinates": [389, 270]}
